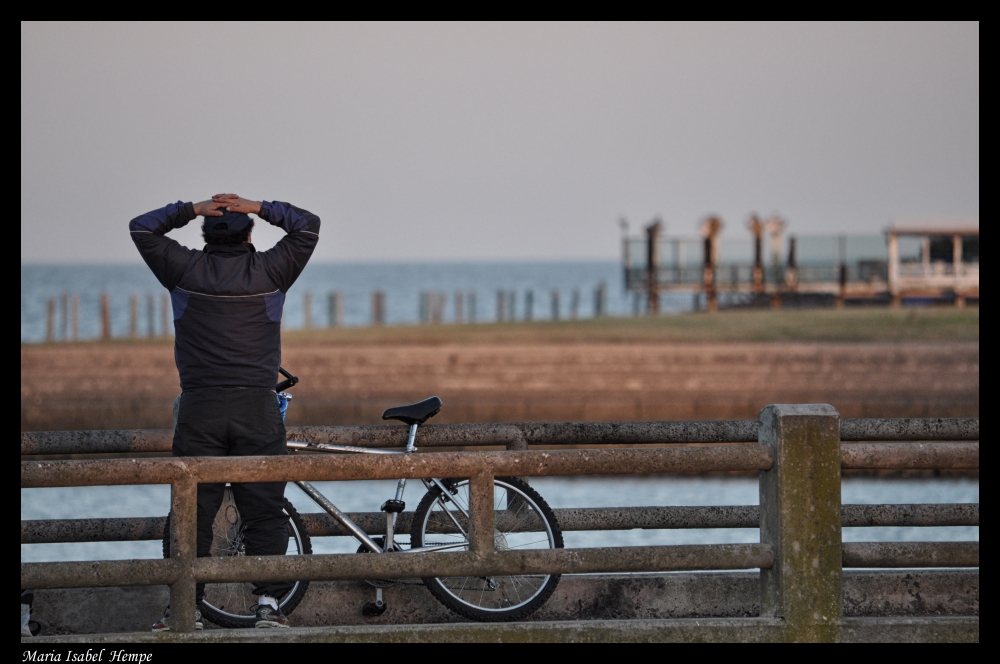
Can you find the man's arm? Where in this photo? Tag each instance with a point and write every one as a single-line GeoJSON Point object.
{"type": "Point", "coordinates": [165, 257]}
{"type": "Point", "coordinates": [285, 260]}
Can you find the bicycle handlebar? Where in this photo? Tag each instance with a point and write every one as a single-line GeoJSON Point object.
{"type": "Point", "coordinates": [285, 384]}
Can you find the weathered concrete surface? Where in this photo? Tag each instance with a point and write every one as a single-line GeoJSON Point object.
{"type": "Point", "coordinates": [318, 567]}
{"type": "Point", "coordinates": [518, 435]}
{"type": "Point", "coordinates": [97, 386]}
{"type": "Point", "coordinates": [597, 597]}
{"type": "Point", "coordinates": [800, 519]}
{"type": "Point", "coordinates": [703, 630]}
{"type": "Point", "coordinates": [319, 524]}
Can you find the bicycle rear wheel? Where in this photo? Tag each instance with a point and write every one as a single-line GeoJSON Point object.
{"type": "Point", "coordinates": [523, 521]}
{"type": "Point", "coordinates": [234, 604]}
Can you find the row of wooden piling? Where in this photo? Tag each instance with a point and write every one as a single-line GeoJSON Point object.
{"type": "Point", "coordinates": [62, 319]}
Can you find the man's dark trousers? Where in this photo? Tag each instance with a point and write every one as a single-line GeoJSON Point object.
{"type": "Point", "coordinates": [237, 421]}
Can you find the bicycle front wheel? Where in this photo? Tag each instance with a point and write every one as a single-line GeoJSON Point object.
{"type": "Point", "coordinates": [234, 604]}
{"type": "Point", "coordinates": [523, 521]}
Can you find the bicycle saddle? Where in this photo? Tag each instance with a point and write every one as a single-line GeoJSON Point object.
{"type": "Point", "coordinates": [415, 413]}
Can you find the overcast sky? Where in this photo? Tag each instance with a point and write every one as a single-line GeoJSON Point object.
{"type": "Point", "coordinates": [423, 142]}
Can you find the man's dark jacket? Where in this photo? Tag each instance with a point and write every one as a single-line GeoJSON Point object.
{"type": "Point", "coordinates": [227, 300]}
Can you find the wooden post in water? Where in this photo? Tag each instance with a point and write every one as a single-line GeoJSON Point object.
{"type": "Point", "coordinates": [555, 304]}
{"type": "Point", "coordinates": [75, 329]}
{"type": "Point", "coordinates": [652, 267]}
{"type": "Point", "coordinates": [757, 230]}
{"type": "Point", "coordinates": [842, 270]}
{"type": "Point", "coordinates": [50, 320]}
{"type": "Point", "coordinates": [307, 306]}
{"type": "Point", "coordinates": [529, 305]}
{"type": "Point", "coordinates": [105, 317]}
{"type": "Point", "coordinates": [437, 308]}
{"type": "Point", "coordinates": [64, 317]}
{"type": "Point", "coordinates": [956, 262]}
{"type": "Point", "coordinates": [501, 306]}
{"type": "Point", "coordinates": [164, 315]}
{"type": "Point", "coordinates": [792, 269]}
{"type": "Point", "coordinates": [472, 306]}
{"type": "Point", "coordinates": [335, 309]}
{"type": "Point", "coordinates": [574, 304]}
{"type": "Point", "coordinates": [150, 315]}
{"type": "Point", "coordinates": [600, 300]}
{"type": "Point", "coordinates": [133, 316]}
{"type": "Point", "coordinates": [710, 229]}
{"type": "Point", "coordinates": [378, 308]}
{"type": "Point", "coordinates": [459, 307]}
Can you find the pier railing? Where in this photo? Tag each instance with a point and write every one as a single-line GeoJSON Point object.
{"type": "Point", "coordinates": [799, 451]}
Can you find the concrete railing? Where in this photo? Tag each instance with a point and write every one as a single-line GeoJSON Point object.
{"type": "Point", "coordinates": [512, 435]}
{"type": "Point", "coordinates": [799, 455]}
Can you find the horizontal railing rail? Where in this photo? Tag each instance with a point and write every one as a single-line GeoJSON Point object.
{"type": "Point", "coordinates": [799, 453]}
{"type": "Point", "coordinates": [317, 467]}
{"type": "Point", "coordinates": [351, 566]}
{"type": "Point", "coordinates": [513, 435]}
{"type": "Point", "coordinates": [319, 567]}
{"type": "Point", "coordinates": [49, 531]}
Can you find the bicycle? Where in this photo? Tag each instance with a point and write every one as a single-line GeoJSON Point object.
{"type": "Point", "coordinates": [440, 523]}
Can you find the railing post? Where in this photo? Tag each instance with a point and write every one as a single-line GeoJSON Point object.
{"type": "Point", "coordinates": [800, 519]}
{"type": "Point", "coordinates": [183, 549]}
{"type": "Point", "coordinates": [482, 522]}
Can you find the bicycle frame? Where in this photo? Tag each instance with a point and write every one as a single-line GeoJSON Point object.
{"type": "Point", "coordinates": [356, 531]}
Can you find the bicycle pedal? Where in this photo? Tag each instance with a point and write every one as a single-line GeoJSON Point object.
{"type": "Point", "coordinates": [374, 609]}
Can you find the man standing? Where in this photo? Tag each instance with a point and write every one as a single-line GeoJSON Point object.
{"type": "Point", "coordinates": [227, 303]}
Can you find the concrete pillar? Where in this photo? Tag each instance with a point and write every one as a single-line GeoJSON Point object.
{"type": "Point", "coordinates": [482, 522]}
{"type": "Point", "coordinates": [183, 549]}
{"type": "Point", "coordinates": [800, 519]}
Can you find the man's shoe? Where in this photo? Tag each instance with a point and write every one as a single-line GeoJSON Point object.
{"type": "Point", "coordinates": [270, 617]}
{"type": "Point", "coordinates": [163, 624]}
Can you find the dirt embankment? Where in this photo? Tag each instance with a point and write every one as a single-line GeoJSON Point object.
{"type": "Point", "coordinates": [133, 385]}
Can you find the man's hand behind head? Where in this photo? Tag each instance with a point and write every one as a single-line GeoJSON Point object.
{"type": "Point", "coordinates": [211, 208]}
{"type": "Point", "coordinates": [235, 203]}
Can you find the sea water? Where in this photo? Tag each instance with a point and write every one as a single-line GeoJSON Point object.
{"type": "Point", "coordinates": [647, 490]}
{"type": "Point", "coordinates": [402, 284]}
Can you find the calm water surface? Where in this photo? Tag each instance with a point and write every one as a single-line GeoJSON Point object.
{"type": "Point", "coordinates": [154, 500]}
